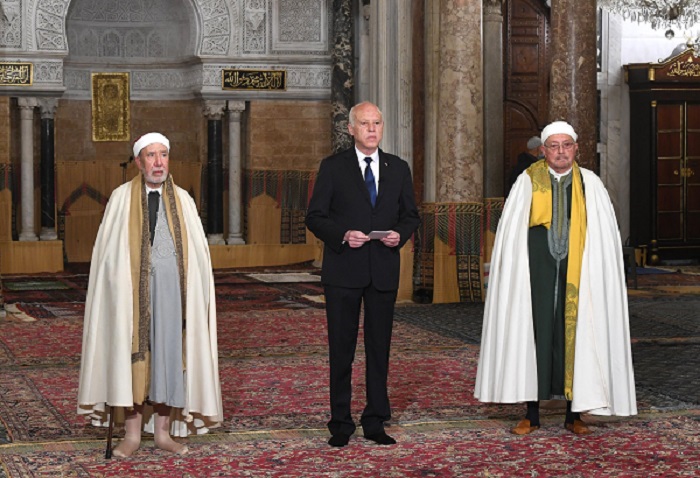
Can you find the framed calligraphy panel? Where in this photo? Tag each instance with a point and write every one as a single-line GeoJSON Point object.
{"type": "Point", "coordinates": [110, 107]}
{"type": "Point", "coordinates": [16, 74]}
{"type": "Point", "coordinates": [261, 80]}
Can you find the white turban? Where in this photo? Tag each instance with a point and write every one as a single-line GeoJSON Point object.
{"type": "Point", "coordinates": [150, 138]}
{"type": "Point", "coordinates": [558, 127]}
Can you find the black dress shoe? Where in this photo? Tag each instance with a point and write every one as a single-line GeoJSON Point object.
{"type": "Point", "coordinates": [381, 438]}
{"type": "Point", "coordinates": [339, 439]}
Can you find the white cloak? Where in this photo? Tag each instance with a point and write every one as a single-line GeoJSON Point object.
{"type": "Point", "coordinates": [105, 369]}
{"type": "Point", "coordinates": [603, 371]}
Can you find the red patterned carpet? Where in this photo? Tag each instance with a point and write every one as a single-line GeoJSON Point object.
{"type": "Point", "coordinates": [654, 446]}
{"type": "Point", "coordinates": [274, 381]}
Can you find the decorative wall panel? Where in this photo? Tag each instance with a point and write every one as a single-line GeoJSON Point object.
{"type": "Point", "coordinates": [10, 24]}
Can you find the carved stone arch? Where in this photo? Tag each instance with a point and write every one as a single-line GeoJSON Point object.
{"type": "Point", "coordinates": [155, 45]}
{"type": "Point", "coordinates": [214, 20]}
{"type": "Point", "coordinates": [134, 44]}
{"type": "Point", "coordinates": [111, 44]}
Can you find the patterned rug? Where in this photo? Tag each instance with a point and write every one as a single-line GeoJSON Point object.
{"type": "Point", "coordinates": [291, 392]}
{"type": "Point", "coordinates": [654, 445]}
{"type": "Point", "coordinates": [57, 339]}
{"type": "Point", "coordinates": [18, 285]}
{"type": "Point", "coordinates": [273, 360]}
{"type": "Point", "coordinates": [274, 392]}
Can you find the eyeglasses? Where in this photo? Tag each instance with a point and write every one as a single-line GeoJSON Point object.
{"type": "Point", "coordinates": [556, 146]}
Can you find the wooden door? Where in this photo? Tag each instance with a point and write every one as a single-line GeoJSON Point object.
{"type": "Point", "coordinates": [692, 172]}
{"type": "Point", "coordinates": [526, 77]}
{"type": "Point", "coordinates": [678, 172]}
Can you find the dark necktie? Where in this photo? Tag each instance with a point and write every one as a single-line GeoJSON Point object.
{"type": "Point", "coordinates": [369, 181]}
{"type": "Point", "coordinates": [153, 200]}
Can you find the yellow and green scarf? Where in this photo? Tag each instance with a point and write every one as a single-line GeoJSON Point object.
{"type": "Point", "coordinates": [541, 215]}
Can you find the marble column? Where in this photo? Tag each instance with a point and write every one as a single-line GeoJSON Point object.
{"type": "Point", "coordinates": [573, 93]}
{"type": "Point", "coordinates": [418, 51]}
{"type": "Point", "coordinates": [432, 94]}
{"type": "Point", "coordinates": [47, 107]}
{"type": "Point", "coordinates": [493, 98]}
{"type": "Point", "coordinates": [390, 73]}
{"type": "Point", "coordinates": [26, 112]}
{"type": "Point", "coordinates": [235, 194]}
{"type": "Point", "coordinates": [404, 83]}
{"type": "Point", "coordinates": [342, 74]}
{"type": "Point", "coordinates": [460, 118]}
{"type": "Point", "coordinates": [214, 111]}
{"type": "Point", "coordinates": [362, 13]}
{"type": "Point", "coordinates": [614, 136]}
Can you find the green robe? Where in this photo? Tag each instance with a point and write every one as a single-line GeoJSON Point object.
{"type": "Point", "coordinates": [548, 320]}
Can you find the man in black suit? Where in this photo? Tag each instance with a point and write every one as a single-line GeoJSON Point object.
{"type": "Point", "coordinates": [357, 191]}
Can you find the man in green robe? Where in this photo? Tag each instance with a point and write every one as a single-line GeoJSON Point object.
{"type": "Point", "coordinates": [556, 322]}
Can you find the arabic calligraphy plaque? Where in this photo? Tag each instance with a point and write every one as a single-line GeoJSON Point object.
{"type": "Point", "coordinates": [16, 74]}
{"type": "Point", "coordinates": [256, 80]}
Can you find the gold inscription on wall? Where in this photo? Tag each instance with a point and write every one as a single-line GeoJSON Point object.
{"type": "Point", "coordinates": [110, 107]}
{"type": "Point", "coordinates": [253, 79]}
{"type": "Point", "coordinates": [684, 68]}
{"type": "Point", "coordinates": [16, 74]}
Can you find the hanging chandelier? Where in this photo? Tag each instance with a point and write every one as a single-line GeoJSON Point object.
{"type": "Point", "coordinates": [680, 14]}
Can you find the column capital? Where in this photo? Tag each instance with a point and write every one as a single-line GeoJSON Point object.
{"type": "Point", "coordinates": [493, 7]}
{"type": "Point", "coordinates": [213, 109]}
{"type": "Point", "coordinates": [27, 102]}
{"type": "Point", "coordinates": [47, 107]}
{"type": "Point", "coordinates": [236, 106]}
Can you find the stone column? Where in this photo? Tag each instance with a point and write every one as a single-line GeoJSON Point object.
{"type": "Point", "coordinates": [342, 74]}
{"type": "Point", "coordinates": [390, 71]}
{"type": "Point", "coordinates": [432, 93]}
{"type": "Point", "coordinates": [26, 112]}
{"type": "Point", "coordinates": [418, 51]}
{"type": "Point", "coordinates": [573, 92]}
{"type": "Point", "coordinates": [614, 133]}
{"type": "Point", "coordinates": [460, 119]}
{"type": "Point", "coordinates": [48, 170]}
{"type": "Point", "coordinates": [404, 83]}
{"type": "Point", "coordinates": [214, 111]}
{"type": "Point", "coordinates": [235, 194]}
{"type": "Point", "coordinates": [362, 13]}
{"type": "Point", "coordinates": [493, 98]}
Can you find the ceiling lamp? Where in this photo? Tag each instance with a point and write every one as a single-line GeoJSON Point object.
{"type": "Point", "coordinates": [681, 14]}
{"type": "Point", "coordinates": [669, 14]}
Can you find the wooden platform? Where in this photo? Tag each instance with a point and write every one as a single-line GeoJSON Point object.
{"type": "Point", "coordinates": [257, 255]}
{"type": "Point", "coordinates": [31, 257]}
{"type": "Point", "coordinates": [47, 256]}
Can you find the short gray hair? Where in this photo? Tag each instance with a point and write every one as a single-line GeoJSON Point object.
{"type": "Point", "coordinates": [352, 117]}
{"type": "Point", "coordinates": [534, 142]}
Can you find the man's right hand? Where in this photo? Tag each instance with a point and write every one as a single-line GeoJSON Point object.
{"type": "Point", "coordinates": [355, 239]}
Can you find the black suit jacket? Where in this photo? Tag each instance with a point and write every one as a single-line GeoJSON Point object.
{"type": "Point", "coordinates": [340, 202]}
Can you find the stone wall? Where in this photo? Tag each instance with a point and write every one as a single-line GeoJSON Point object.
{"type": "Point", "coordinates": [87, 171]}
{"type": "Point", "coordinates": [288, 135]}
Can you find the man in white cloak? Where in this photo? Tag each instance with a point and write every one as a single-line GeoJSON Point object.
{"type": "Point", "coordinates": [149, 337]}
{"type": "Point", "coordinates": [556, 322]}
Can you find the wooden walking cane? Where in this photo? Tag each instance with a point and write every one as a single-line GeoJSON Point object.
{"type": "Point", "coordinates": [110, 430]}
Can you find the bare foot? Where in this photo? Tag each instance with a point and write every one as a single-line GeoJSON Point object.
{"type": "Point", "coordinates": [165, 442]}
{"type": "Point", "coordinates": [126, 448]}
